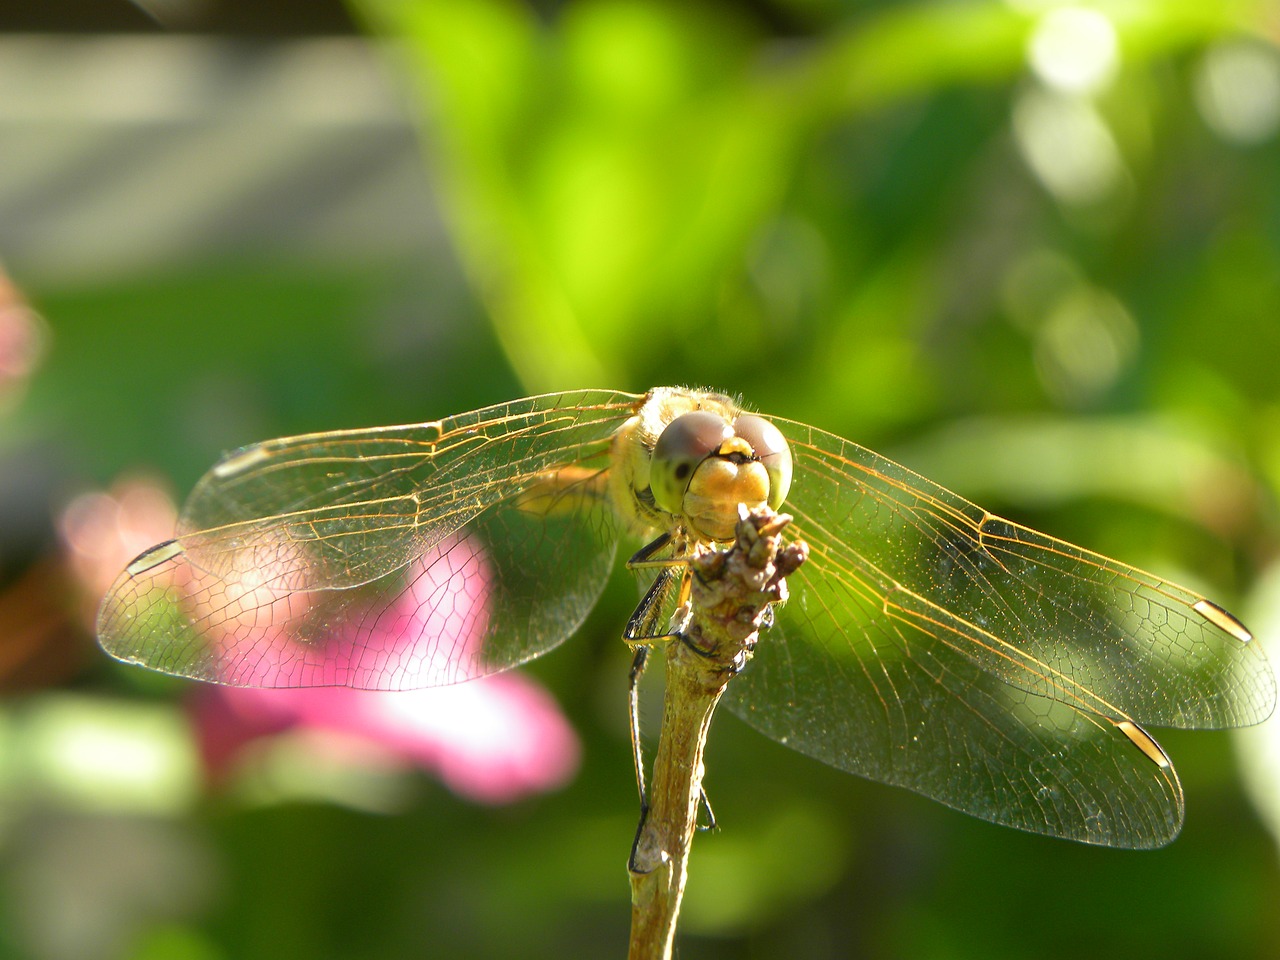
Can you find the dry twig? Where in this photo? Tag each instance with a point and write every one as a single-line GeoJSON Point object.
{"type": "Point", "coordinates": [732, 591]}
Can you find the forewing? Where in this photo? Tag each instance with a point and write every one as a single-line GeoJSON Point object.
{"type": "Point", "coordinates": [389, 558]}
{"type": "Point", "coordinates": [1041, 614]}
{"type": "Point", "coordinates": [931, 645]}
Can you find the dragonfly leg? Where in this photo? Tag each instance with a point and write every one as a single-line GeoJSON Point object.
{"type": "Point", "coordinates": [642, 626]}
{"type": "Point", "coordinates": [642, 622]}
{"type": "Point", "coordinates": [706, 805]}
{"type": "Point", "coordinates": [633, 704]}
{"type": "Point", "coordinates": [632, 861]}
{"type": "Point", "coordinates": [644, 557]}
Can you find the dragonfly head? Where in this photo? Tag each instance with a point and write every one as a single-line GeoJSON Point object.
{"type": "Point", "coordinates": [703, 467]}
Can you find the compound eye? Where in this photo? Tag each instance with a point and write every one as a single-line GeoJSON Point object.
{"type": "Point", "coordinates": [682, 446]}
{"type": "Point", "coordinates": [771, 448]}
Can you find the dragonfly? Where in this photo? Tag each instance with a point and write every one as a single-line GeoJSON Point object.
{"type": "Point", "coordinates": [927, 643]}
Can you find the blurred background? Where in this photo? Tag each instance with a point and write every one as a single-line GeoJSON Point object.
{"type": "Point", "coordinates": [1031, 249]}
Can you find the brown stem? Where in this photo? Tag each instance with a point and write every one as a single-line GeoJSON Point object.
{"type": "Point", "coordinates": [732, 591]}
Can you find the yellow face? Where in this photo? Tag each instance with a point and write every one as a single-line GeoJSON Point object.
{"type": "Point", "coordinates": [689, 459]}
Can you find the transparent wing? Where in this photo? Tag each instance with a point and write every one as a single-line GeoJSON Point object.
{"type": "Point", "coordinates": [934, 646]}
{"type": "Point", "coordinates": [390, 558]}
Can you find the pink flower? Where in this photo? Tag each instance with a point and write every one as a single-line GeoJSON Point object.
{"type": "Point", "coordinates": [271, 624]}
{"type": "Point", "coordinates": [22, 337]}
{"type": "Point", "coordinates": [103, 531]}
{"type": "Point", "coordinates": [492, 740]}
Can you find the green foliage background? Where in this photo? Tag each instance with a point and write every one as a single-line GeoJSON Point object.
{"type": "Point", "coordinates": [877, 217]}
